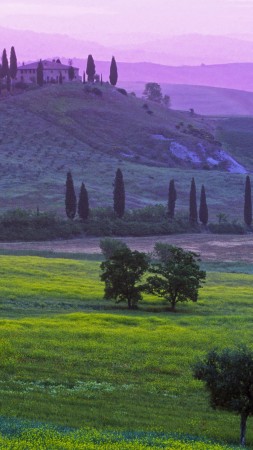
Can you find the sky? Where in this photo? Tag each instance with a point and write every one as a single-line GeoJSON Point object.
{"type": "Point", "coordinates": [137, 19]}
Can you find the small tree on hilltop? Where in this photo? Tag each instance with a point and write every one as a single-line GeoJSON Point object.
{"type": "Point", "coordinates": [153, 92]}
{"type": "Point", "coordinates": [40, 74]}
{"type": "Point", "coordinates": [122, 274]}
{"type": "Point", "coordinates": [247, 203]}
{"type": "Point", "coordinates": [5, 64]}
{"type": "Point", "coordinates": [70, 197]}
{"type": "Point", "coordinates": [13, 64]}
{"type": "Point", "coordinates": [91, 69]}
{"type": "Point", "coordinates": [193, 212]}
{"type": "Point", "coordinates": [172, 199]}
{"type": "Point", "coordinates": [119, 194]}
{"type": "Point", "coordinates": [83, 203]}
{"type": "Point", "coordinates": [228, 377]}
{"type": "Point", "coordinates": [71, 73]}
{"type": "Point", "coordinates": [176, 275]}
{"type": "Point", "coordinates": [113, 72]}
{"type": "Point", "coordinates": [203, 209]}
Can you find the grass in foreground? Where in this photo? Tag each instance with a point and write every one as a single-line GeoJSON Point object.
{"type": "Point", "coordinates": [117, 371]}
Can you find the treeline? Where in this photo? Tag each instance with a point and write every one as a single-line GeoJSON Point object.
{"type": "Point", "coordinates": [163, 218]}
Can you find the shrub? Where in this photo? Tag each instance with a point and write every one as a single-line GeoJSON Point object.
{"type": "Point", "coordinates": [226, 228]}
{"type": "Point", "coordinates": [122, 91]}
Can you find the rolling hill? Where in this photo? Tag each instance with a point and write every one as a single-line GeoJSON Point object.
{"type": "Point", "coordinates": [46, 132]}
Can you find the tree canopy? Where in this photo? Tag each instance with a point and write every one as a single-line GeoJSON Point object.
{"type": "Point", "coordinates": [247, 203]}
{"type": "Point", "coordinates": [70, 197]}
{"type": "Point", "coordinates": [90, 69]}
{"type": "Point", "coordinates": [40, 74]}
{"type": "Point", "coordinates": [122, 274]}
{"type": "Point", "coordinates": [176, 275]}
{"type": "Point", "coordinates": [228, 376]}
{"type": "Point", "coordinates": [203, 209]}
{"type": "Point", "coordinates": [113, 72]}
{"type": "Point", "coordinates": [119, 194]}
{"type": "Point", "coordinates": [83, 203]}
{"type": "Point", "coordinates": [153, 92]}
{"type": "Point", "coordinates": [13, 64]}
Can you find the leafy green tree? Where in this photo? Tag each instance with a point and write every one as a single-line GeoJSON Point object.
{"type": "Point", "coordinates": [40, 74]}
{"type": "Point", "coordinates": [203, 209]}
{"type": "Point", "coordinates": [172, 199]}
{"type": "Point", "coordinates": [70, 197]}
{"type": "Point", "coordinates": [119, 194]}
{"type": "Point", "coordinates": [193, 212]}
{"type": "Point", "coordinates": [113, 72]}
{"type": "Point", "coordinates": [176, 275]}
{"type": "Point", "coordinates": [71, 73]}
{"type": "Point", "coordinates": [5, 64]}
{"type": "Point", "coordinates": [109, 246]}
{"type": "Point", "coordinates": [228, 376]}
{"type": "Point", "coordinates": [247, 203]}
{"type": "Point", "coordinates": [122, 274]}
{"type": "Point", "coordinates": [153, 92]}
{"type": "Point", "coordinates": [90, 69]}
{"type": "Point", "coordinates": [13, 64]}
{"type": "Point", "coordinates": [83, 203]}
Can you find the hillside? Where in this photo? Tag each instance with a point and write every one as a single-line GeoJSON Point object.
{"type": "Point", "coordinates": [47, 132]}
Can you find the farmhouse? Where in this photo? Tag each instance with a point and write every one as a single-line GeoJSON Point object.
{"type": "Point", "coordinates": [27, 73]}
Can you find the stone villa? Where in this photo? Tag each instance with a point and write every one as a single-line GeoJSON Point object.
{"type": "Point", "coordinates": [27, 73]}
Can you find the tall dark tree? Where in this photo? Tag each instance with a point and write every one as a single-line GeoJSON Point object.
{"type": "Point", "coordinates": [90, 69]}
{"type": "Point", "coordinates": [71, 73]}
{"type": "Point", "coordinates": [228, 376]}
{"type": "Point", "coordinates": [60, 78]}
{"type": "Point", "coordinates": [193, 212]}
{"type": "Point", "coordinates": [247, 203]}
{"type": "Point", "coordinates": [83, 203]}
{"type": "Point", "coordinates": [172, 199]}
{"type": "Point", "coordinates": [40, 74]}
{"type": "Point", "coordinates": [203, 209]}
{"type": "Point", "coordinates": [13, 64]}
{"type": "Point", "coordinates": [113, 72]}
{"type": "Point", "coordinates": [8, 82]}
{"type": "Point", "coordinates": [119, 194]}
{"type": "Point", "coordinates": [5, 64]}
{"type": "Point", "coordinates": [70, 197]}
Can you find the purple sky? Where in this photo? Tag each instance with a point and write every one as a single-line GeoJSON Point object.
{"type": "Point", "coordinates": [101, 19]}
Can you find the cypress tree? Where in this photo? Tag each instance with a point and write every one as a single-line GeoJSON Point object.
{"type": "Point", "coordinates": [193, 212]}
{"type": "Point", "coordinates": [5, 64]}
{"type": "Point", "coordinates": [247, 203]}
{"type": "Point", "coordinates": [71, 73]}
{"type": "Point", "coordinates": [113, 72]}
{"type": "Point", "coordinates": [60, 78]}
{"type": "Point", "coordinates": [83, 203]}
{"type": "Point", "coordinates": [90, 69]}
{"type": "Point", "coordinates": [172, 199]}
{"type": "Point", "coordinates": [70, 197]}
{"type": "Point", "coordinates": [119, 195]}
{"type": "Point", "coordinates": [40, 74]}
{"type": "Point", "coordinates": [13, 64]}
{"type": "Point", "coordinates": [203, 209]}
{"type": "Point", "coordinates": [8, 82]}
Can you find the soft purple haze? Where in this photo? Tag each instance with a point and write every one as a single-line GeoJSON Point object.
{"type": "Point", "coordinates": [102, 20]}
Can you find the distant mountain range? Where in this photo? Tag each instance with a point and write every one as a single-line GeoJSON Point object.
{"type": "Point", "coordinates": [190, 49]}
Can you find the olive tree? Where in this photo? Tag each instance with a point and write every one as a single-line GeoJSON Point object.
{"type": "Point", "coordinates": [228, 376]}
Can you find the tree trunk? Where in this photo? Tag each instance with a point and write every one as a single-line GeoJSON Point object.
{"type": "Point", "coordinates": [243, 429]}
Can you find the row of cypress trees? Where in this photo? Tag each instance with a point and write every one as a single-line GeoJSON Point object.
{"type": "Point", "coordinates": [195, 214]}
{"type": "Point", "coordinates": [91, 71]}
{"type": "Point", "coordinates": [82, 206]}
{"type": "Point", "coordinates": [8, 71]}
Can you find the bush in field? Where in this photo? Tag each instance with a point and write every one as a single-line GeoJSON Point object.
{"type": "Point", "coordinates": [122, 274]}
{"type": "Point", "coordinates": [228, 377]}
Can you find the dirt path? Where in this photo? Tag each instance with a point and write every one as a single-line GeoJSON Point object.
{"type": "Point", "coordinates": [210, 247]}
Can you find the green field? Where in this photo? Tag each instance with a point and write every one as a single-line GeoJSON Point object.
{"type": "Point", "coordinates": [69, 358]}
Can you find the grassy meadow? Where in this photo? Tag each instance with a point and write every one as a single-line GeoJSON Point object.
{"type": "Point", "coordinates": [69, 358]}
